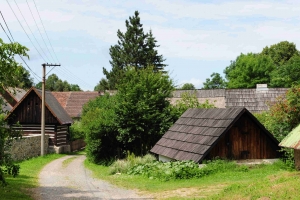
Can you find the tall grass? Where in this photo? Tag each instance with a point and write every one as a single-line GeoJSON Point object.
{"type": "Point", "coordinates": [123, 166]}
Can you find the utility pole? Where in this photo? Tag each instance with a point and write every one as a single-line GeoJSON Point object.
{"type": "Point", "coordinates": [43, 108]}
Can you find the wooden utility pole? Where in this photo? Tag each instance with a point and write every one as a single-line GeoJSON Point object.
{"type": "Point", "coordinates": [43, 108]}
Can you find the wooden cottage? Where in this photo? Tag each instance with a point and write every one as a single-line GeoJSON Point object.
{"type": "Point", "coordinates": [292, 140]}
{"type": "Point", "coordinates": [232, 133]}
{"type": "Point", "coordinates": [27, 112]}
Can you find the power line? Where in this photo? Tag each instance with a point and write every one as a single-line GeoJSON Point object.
{"type": "Point", "coordinates": [30, 29]}
{"type": "Point", "coordinates": [39, 29]}
{"type": "Point", "coordinates": [25, 31]}
{"type": "Point", "coordinates": [34, 74]}
{"type": "Point", "coordinates": [6, 26]}
{"type": "Point", "coordinates": [67, 73]}
{"type": "Point", "coordinates": [45, 31]}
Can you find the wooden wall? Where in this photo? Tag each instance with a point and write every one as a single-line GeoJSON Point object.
{"type": "Point", "coordinates": [29, 111]}
{"type": "Point", "coordinates": [58, 134]}
{"type": "Point", "coordinates": [245, 140]}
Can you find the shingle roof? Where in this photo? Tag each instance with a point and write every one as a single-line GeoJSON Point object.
{"type": "Point", "coordinates": [16, 93]}
{"type": "Point", "coordinates": [292, 140]}
{"type": "Point", "coordinates": [252, 99]}
{"type": "Point", "coordinates": [73, 102]}
{"type": "Point", "coordinates": [55, 108]}
{"type": "Point", "coordinates": [51, 103]}
{"type": "Point", "coordinates": [197, 131]}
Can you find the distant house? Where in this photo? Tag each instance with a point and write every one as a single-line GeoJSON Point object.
{"type": "Point", "coordinates": [255, 100]}
{"type": "Point", "coordinates": [73, 101]}
{"type": "Point", "coordinates": [232, 133]}
{"type": "Point", "coordinates": [292, 140]}
{"type": "Point", "coordinates": [27, 112]}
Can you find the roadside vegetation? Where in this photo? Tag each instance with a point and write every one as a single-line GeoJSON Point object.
{"type": "Point", "coordinates": [218, 179]}
{"type": "Point", "coordinates": [20, 186]}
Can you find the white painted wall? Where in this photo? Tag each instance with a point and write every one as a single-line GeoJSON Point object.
{"type": "Point", "coordinates": [164, 158]}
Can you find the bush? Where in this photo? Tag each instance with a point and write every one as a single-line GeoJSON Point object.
{"type": "Point", "coordinates": [99, 128]}
{"type": "Point", "coordinates": [165, 171]}
{"type": "Point", "coordinates": [122, 166]}
{"type": "Point", "coordinates": [76, 131]}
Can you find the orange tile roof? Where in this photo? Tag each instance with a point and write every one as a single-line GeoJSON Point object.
{"type": "Point", "coordinates": [73, 102]}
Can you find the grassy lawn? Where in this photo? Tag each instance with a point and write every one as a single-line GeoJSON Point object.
{"type": "Point", "coordinates": [20, 186]}
{"type": "Point", "coordinates": [260, 182]}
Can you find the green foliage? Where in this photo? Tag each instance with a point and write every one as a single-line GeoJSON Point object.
{"type": "Point", "coordinates": [98, 124]}
{"type": "Point", "coordinates": [216, 82]}
{"type": "Point", "coordinates": [142, 109]}
{"type": "Point", "coordinates": [7, 166]}
{"type": "Point", "coordinates": [122, 166]}
{"type": "Point", "coordinates": [166, 171]}
{"type": "Point", "coordinates": [188, 86]}
{"type": "Point", "coordinates": [135, 48]}
{"type": "Point", "coordinates": [102, 85]}
{"type": "Point", "coordinates": [76, 131]}
{"type": "Point", "coordinates": [288, 158]}
{"type": "Point", "coordinates": [277, 66]}
{"type": "Point", "coordinates": [189, 100]}
{"type": "Point", "coordinates": [53, 83]}
{"type": "Point", "coordinates": [248, 70]}
{"type": "Point", "coordinates": [12, 75]}
{"type": "Point", "coordinates": [287, 74]}
{"type": "Point", "coordinates": [281, 52]}
{"type": "Point", "coordinates": [283, 117]}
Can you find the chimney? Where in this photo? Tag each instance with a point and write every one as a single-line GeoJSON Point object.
{"type": "Point", "coordinates": [260, 88]}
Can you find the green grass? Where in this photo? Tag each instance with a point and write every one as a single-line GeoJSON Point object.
{"type": "Point", "coordinates": [66, 162]}
{"type": "Point", "coordinates": [20, 186]}
{"type": "Point", "coordinates": [269, 181]}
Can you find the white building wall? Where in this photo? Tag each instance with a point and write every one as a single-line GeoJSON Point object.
{"type": "Point", "coordinates": [164, 158]}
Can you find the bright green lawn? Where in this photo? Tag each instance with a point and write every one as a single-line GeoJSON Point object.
{"type": "Point", "coordinates": [264, 181]}
{"type": "Point", "coordinates": [19, 187]}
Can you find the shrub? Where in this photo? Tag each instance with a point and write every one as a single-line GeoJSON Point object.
{"type": "Point", "coordinates": [122, 166]}
{"type": "Point", "coordinates": [165, 171]}
{"type": "Point", "coordinates": [76, 131]}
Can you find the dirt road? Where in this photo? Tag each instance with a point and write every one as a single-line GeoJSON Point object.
{"type": "Point", "coordinates": [60, 180]}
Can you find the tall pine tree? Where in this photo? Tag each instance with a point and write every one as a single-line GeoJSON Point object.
{"type": "Point", "coordinates": [135, 48]}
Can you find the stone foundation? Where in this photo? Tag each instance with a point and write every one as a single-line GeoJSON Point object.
{"type": "Point", "coordinates": [297, 158]}
{"type": "Point", "coordinates": [28, 147]}
{"type": "Point", "coordinates": [59, 149]}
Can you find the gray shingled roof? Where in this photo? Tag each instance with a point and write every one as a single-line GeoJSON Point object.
{"type": "Point", "coordinates": [55, 108]}
{"type": "Point", "coordinates": [197, 131]}
{"type": "Point", "coordinates": [51, 103]}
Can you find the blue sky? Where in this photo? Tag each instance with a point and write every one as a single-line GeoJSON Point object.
{"type": "Point", "coordinates": [196, 38]}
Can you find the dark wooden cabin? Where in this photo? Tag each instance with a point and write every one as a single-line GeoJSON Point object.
{"type": "Point", "coordinates": [231, 133]}
{"type": "Point", "coordinates": [27, 112]}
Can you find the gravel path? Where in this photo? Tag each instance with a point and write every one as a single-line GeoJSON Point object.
{"type": "Point", "coordinates": [73, 181]}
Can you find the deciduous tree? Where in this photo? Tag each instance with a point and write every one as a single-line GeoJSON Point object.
{"type": "Point", "coordinates": [142, 108]}
{"type": "Point", "coordinates": [248, 70]}
{"type": "Point", "coordinates": [281, 52]}
{"type": "Point", "coordinates": [10, 69]}
{"type": "Point", "coordinates": [188, 86]}
{"type": "Point", "coordinates": [53, 83]}
{"type": "Point", "coordinates": [216, 82]}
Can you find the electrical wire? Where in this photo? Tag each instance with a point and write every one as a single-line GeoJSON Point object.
{"type": "Point", "coordinates": [18, 54]}
{"type": "Point", "coordinates": [7, 27]}
{"type": "Point", "coordinates": [45, 31]}
{"type": "Point", "coordinates": [39, 30]}
{"type": "Point", "coordinates": [31, 30]}
{"type": "Point", "coordinates": [26, 32]}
